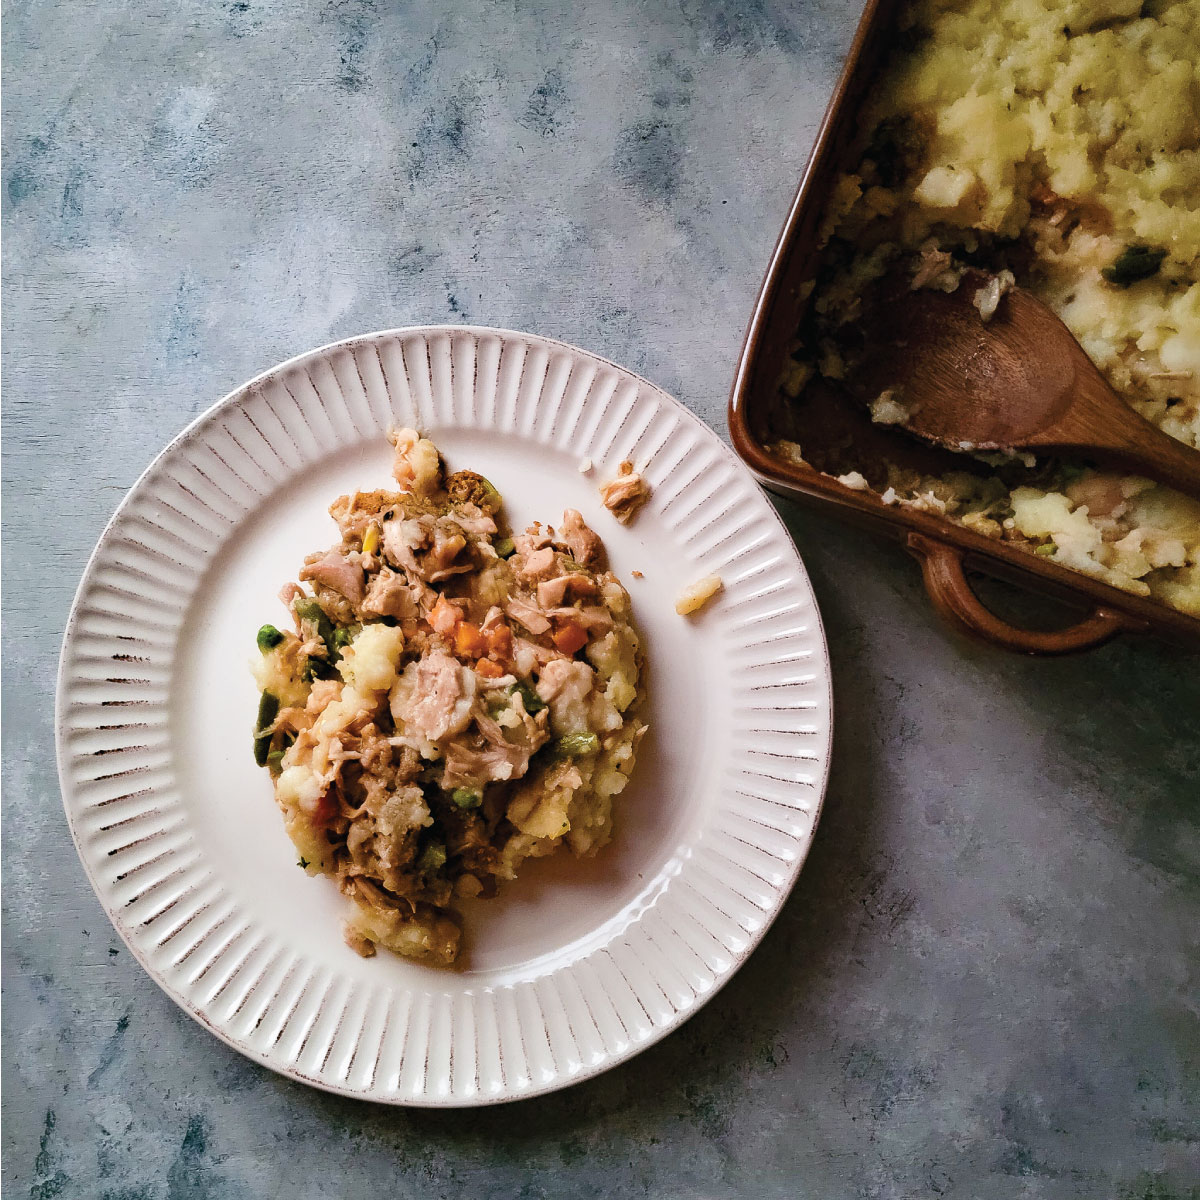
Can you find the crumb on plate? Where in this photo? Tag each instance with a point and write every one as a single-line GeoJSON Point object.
{"type": "Point", "coordinates": [696, 595]}
{"type": "Point", "coordinates": [624, 495]}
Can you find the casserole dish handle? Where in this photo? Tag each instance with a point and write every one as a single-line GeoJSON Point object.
{"type": "Point", "coordinates": [952, 595]}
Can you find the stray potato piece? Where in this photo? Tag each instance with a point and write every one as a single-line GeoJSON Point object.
{"type": "Point", "coordinates": [697, 595]}
{"type": "Point", "coordinates": [624, 495]}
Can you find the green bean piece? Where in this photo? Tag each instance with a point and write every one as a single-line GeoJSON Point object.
{"type": "Point", "coordinates": [572, 745]}
{"type": "Point", "coordinates": [1134, 263]}
{"type": "Point", "coordinates": [506, 547]}
{"type": "Point", "coordinates": [318, 668]}
{"type": "Point", "coordinates": [433, 858]}
{"type": "Point", "coordinates": [268, 710]}
{"type": "Point", "coordinates": [342, 637]}
{"type": "Point", "coordinates": [308, 609]}
{"type": "Point", "coordinates": [466, 797]}
{"type": "Point", "coordinates": [1046, 549]}
{"type": "Point", "coordinates": [533, 702]}
{"type": "Point", "coordinates": [268, 638]}
{"type": "Point", "coordinates": [311, 610]}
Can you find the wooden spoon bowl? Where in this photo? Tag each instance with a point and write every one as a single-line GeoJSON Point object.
{"type": "Point", "coordinates": [1017, 381]}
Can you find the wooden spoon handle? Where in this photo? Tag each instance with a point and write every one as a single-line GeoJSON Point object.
{"type": "Point", "coordinates": [953, 597]}
{"type": "Point", "coordinates": [1099, 424]}
{"type": "Point", "coordinates": [1161, 457]}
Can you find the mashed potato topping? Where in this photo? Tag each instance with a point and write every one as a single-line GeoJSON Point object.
{"type": "Point", "coordinates": [450, 702]}
{"type": "Point", "coordinates": [1058, 140]}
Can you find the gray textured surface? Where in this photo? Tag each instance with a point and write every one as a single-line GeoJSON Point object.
{"type": "Point", "coordinates": [984, 984]}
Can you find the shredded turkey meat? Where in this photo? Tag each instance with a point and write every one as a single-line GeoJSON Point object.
{"type": "Point", "coordinates": [337, 571]}
{"type": "Point", "coordinates": [449, 700]}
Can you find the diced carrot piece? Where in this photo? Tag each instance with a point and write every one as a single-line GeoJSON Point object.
{"type": "Point", "coordinates": [499, 641]}
{"type": "Point", "coordinates": [325, 810]}
{"type": "Point", "coordinates": [445, 616]}
{"type": "Point", "coordinates": [489, 669]}
{"type": "Point", "coordinates": [570, 637]}
{"type": "Point", "coordinates": [469, 641]}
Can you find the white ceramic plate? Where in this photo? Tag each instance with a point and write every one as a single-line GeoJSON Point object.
{"type": "Point", "coordinates": [575, 967]}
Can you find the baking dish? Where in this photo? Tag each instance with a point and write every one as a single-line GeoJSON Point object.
{"type": "Point", "coordinates": [759, 415]}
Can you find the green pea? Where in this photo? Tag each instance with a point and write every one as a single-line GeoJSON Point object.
{"type": "Point", "coordinates": [466, 797]}
{"type": "Point", "coordinates": [572, 745]}
{"type": "Point", "coordinates": [433, 858]}
{"type": "Point", "coordinates": [268, 638]}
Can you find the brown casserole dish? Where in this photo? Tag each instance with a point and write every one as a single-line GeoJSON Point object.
{"type": "Point", "coordinates": [760, 414]}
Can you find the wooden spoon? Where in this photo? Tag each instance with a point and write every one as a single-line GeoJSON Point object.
{"type": "Point", "coordinates": [1019, 381]}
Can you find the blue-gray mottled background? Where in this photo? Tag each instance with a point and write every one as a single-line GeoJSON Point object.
{"type": "Point", "coordinates": [985, 982]}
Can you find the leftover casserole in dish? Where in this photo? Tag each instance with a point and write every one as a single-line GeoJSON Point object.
{"type": "Point", "coordinates": [1057, 145]}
